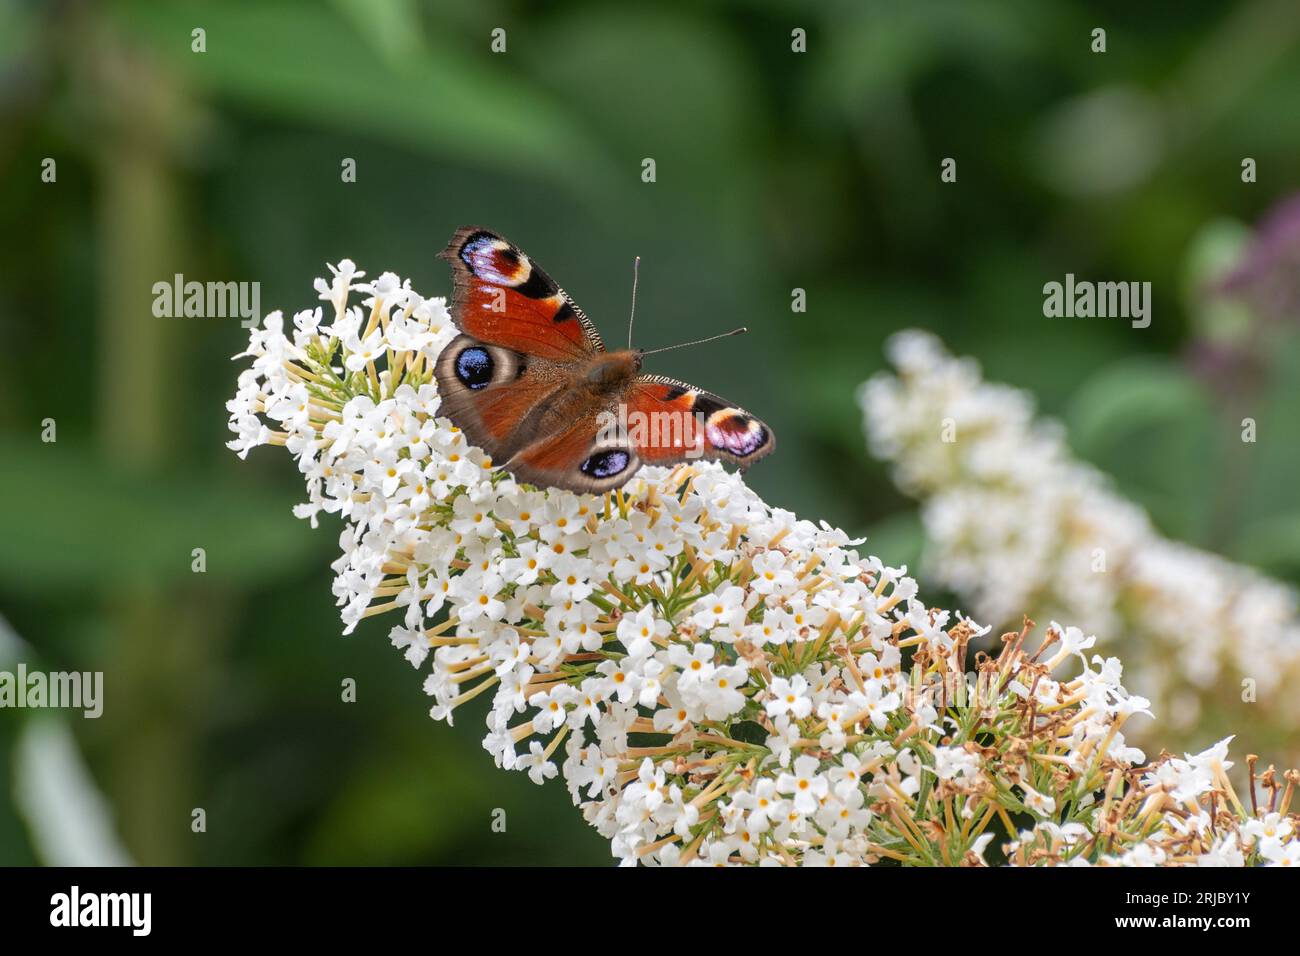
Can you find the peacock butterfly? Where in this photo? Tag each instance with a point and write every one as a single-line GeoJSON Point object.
{"type": "Point", "coordinates": [530, 382]}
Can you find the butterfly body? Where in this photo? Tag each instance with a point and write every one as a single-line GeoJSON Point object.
{"type": "Point", "coordinates": [612, 372]}
{"type": "Point", "coordinates": [530, 381]}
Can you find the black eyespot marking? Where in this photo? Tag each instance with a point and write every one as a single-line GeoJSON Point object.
{"type": "Point", "coordinates": [538, 286]}
{"type": "Point", "coordinates": [675, 392]}
{"type": "Point", "coordinates": [564, 313]}
{"type": "Point", "coordinates": [707, 404]}
{"type": "Point", "coordinates": [734, 432]}
{"type": "Point", "coordinates": [474, 367]}
{"type": "Point", "coordinates": [607, 463]}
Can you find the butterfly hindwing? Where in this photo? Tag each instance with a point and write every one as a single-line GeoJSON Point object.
{"type": "Point", "coordinates": [504, 298]}
{"type": "Point", "coordinates": [579, 456]}
{"type": "Point", "coordinates": [670, 421]}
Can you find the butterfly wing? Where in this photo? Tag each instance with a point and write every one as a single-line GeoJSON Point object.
{"type": "Point", "coordinates": [582, 455]}
{"type": "Point", "coordinates": [502, 297]}
{"type": "Point", "coordinates": [488, 390]}
{"type": "Point", "coordinates": [662, 421]}
{"type": "Point", "coordinates": [670, 421]}
{"type": "Point", "coordinates": [523, 337]}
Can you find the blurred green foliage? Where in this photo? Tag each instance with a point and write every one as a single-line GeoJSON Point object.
{"type": "Point", "coordinates": [775, 171]}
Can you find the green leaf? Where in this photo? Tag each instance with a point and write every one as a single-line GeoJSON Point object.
{"type": "Point", "coordinates": [401, 806]}
{"type": "Point", "coordinates": [1272, 544]}
{"type": "Point", "coordinates": [306, 64]}
{"type": "Point", "coordinates": [393, 26]}
{"type": "Point", "coordinates": [1148, 424]}
{"type": "Point", "coordinates": [1127, 397]}
{"type": "Point", "coordinates": [898, 540]}
{"type": "Point", "coordinates": [72, 523]}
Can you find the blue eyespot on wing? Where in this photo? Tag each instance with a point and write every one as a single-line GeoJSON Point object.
{"type": "Point", "coordinates": [474, 367]}
{"type": "Point", "coordinates": [607, 463]}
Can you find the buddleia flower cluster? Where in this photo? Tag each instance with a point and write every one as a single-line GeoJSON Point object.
{"type": "Point", "coordinates": [1015, 524]}
{"type": "Point", "coordinates": [715, 680]}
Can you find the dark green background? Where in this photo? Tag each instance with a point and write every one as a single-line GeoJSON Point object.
{"type": "Point", "coordinates": [775, 170]}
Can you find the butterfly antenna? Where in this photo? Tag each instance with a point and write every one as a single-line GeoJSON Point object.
{"type": "Point", "coordinates": [711, 338]}
{"type": "Point", "coordinates": [636, 268]}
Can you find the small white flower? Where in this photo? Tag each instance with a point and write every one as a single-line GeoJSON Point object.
{"type": "Point", "coordinates": [806, 785]}
{"type": "Point", "coordinates": [722, 609]}
{"type": "Point", "coordinates": [955, 763]}
{"type": "Point", "coordinates": [789, 697]}
{"type": "Point", "coordinates": [1040, 803]}
{"type": "Point", "coordinates": [639, 632]}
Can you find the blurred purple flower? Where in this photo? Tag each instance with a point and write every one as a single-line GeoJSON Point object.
{"type": "Point", "coordinates": [1226, 367]}
{"type": "Point", "coordinates": [1268, 277]}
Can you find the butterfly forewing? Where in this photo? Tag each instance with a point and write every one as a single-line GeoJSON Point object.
{"type": "Point", "coordinates": [501, 296]}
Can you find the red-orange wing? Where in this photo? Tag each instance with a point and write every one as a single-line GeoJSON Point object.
{"type": "Point", "coordinates": [502, 297]}
{"type": "Point", "coordinates": [670, 421]}
{"type": "Point", "coordinates": [490, 392]}
{"type": "Point", "coordinates": [580, 457]}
